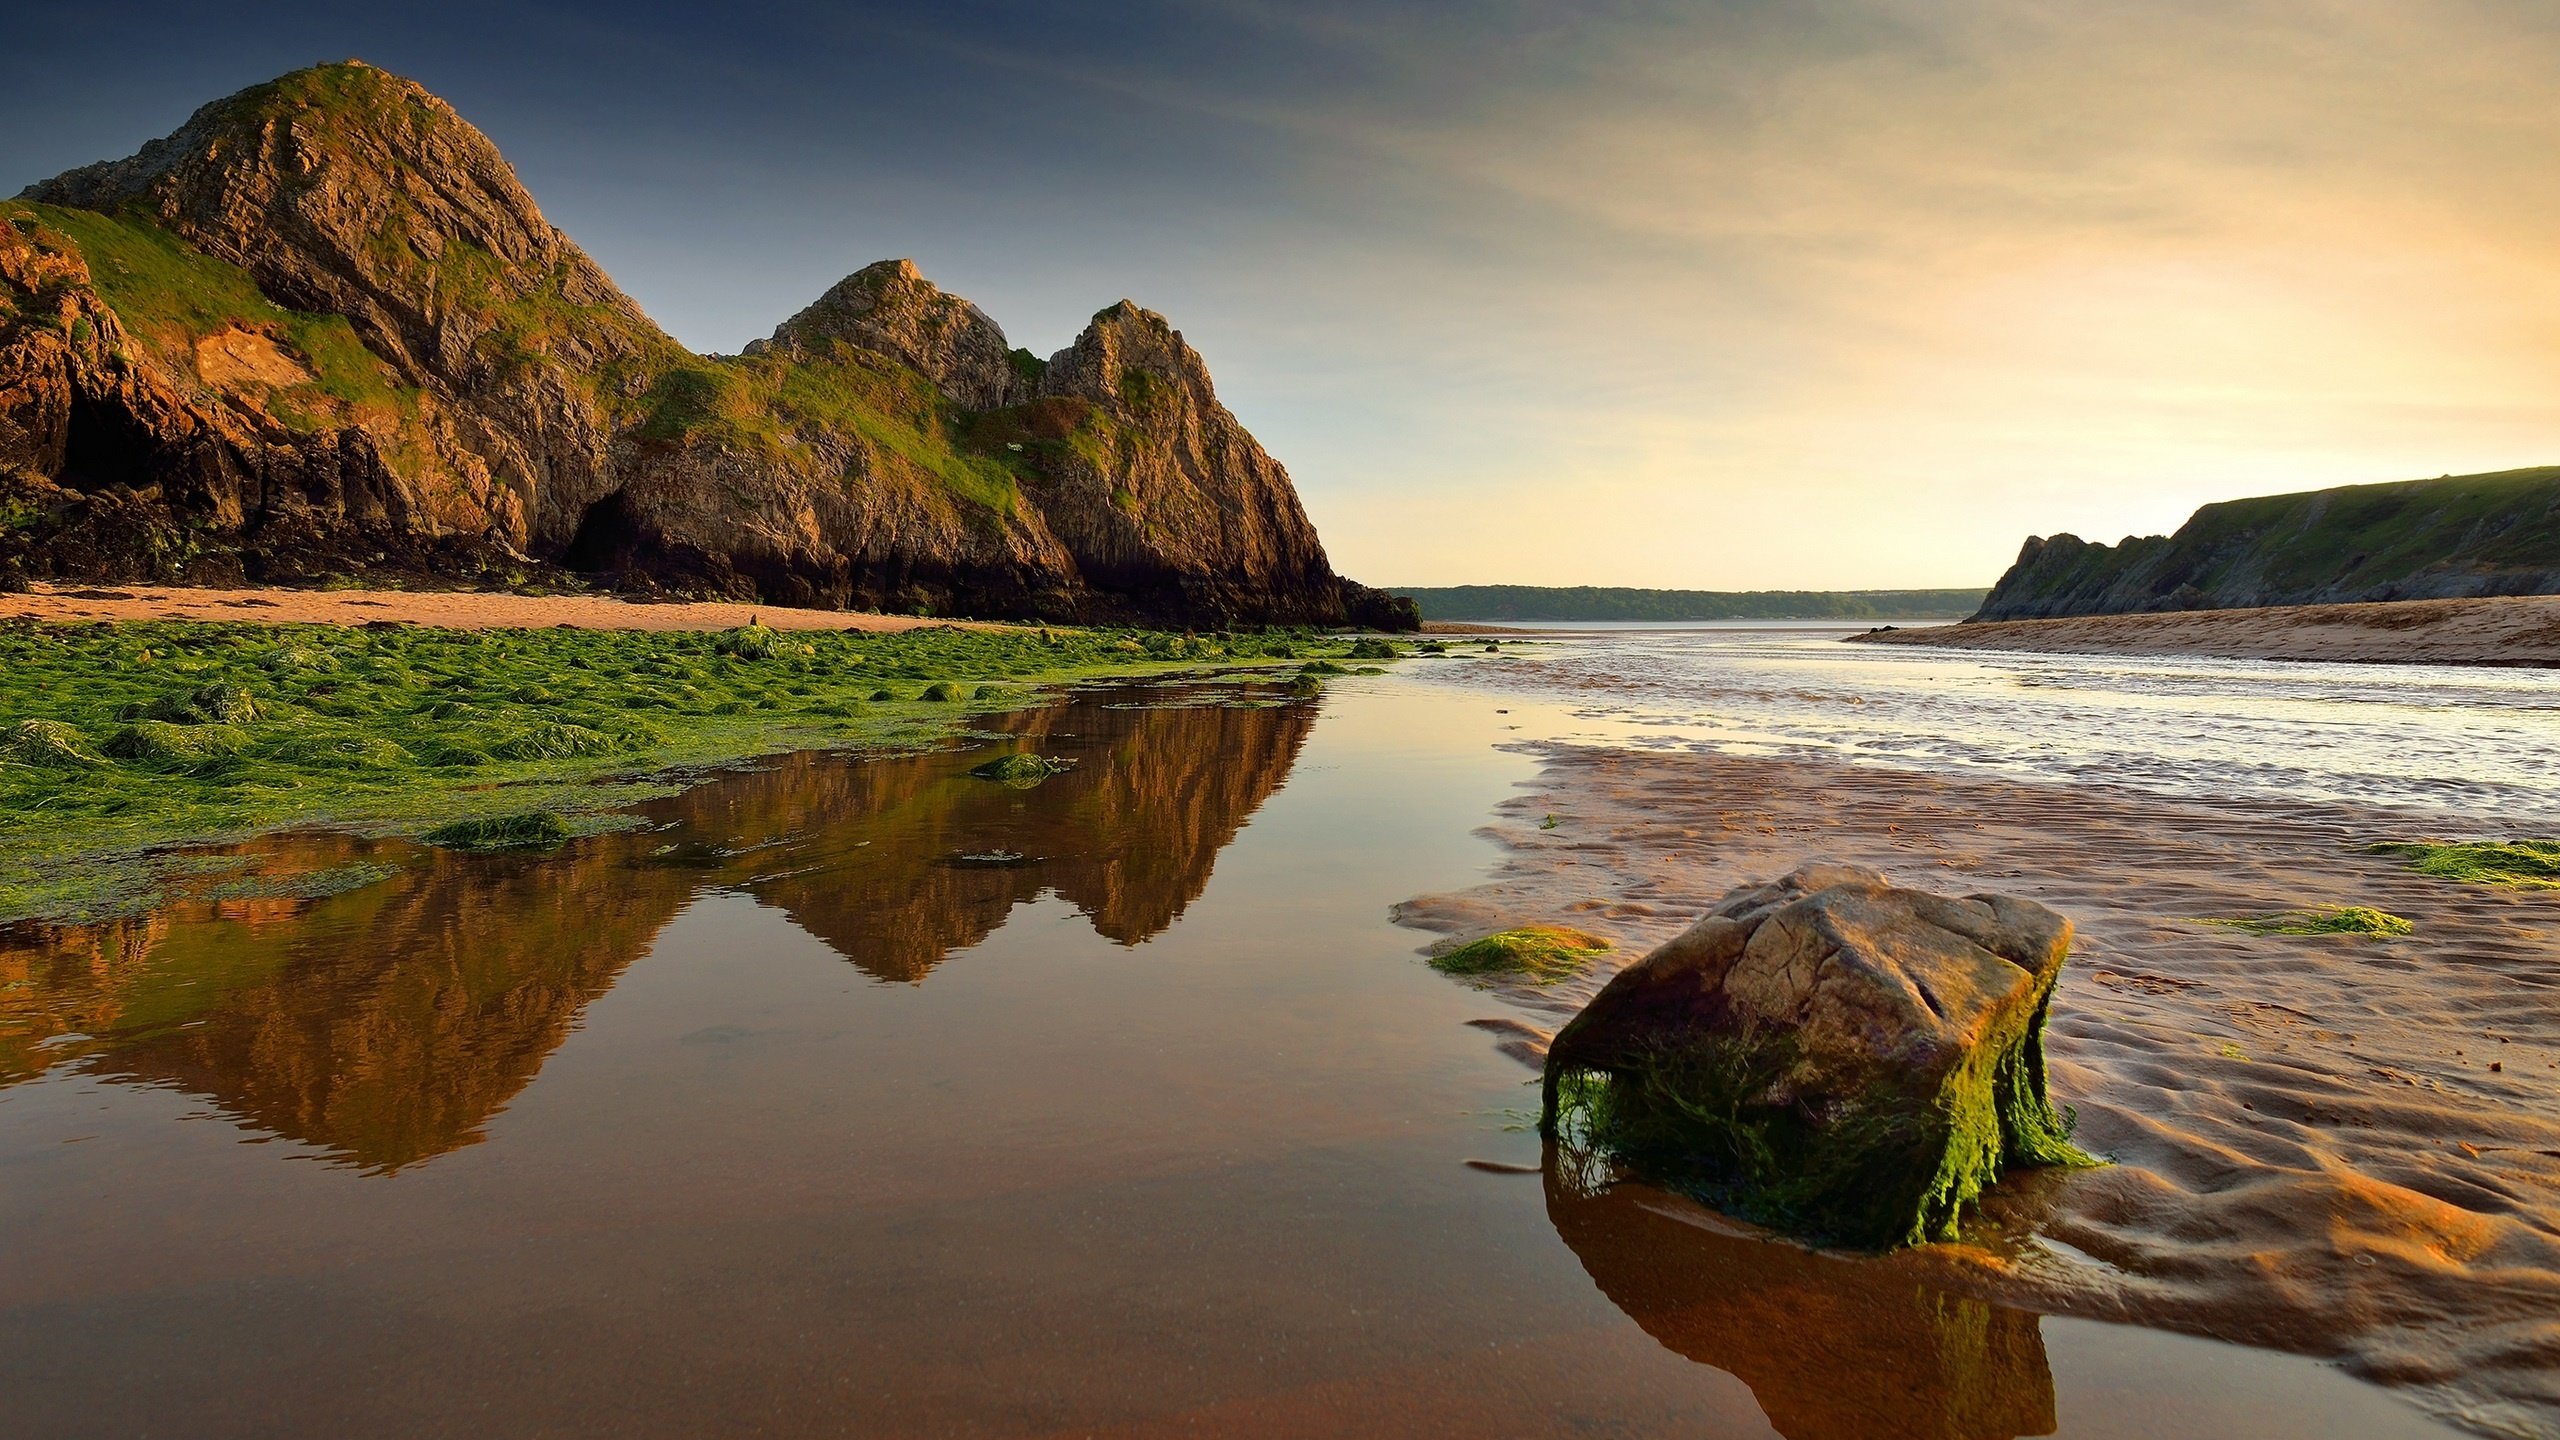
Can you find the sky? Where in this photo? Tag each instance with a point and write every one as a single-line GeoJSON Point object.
{"type": "Point", "coordinates": [1763, 294]}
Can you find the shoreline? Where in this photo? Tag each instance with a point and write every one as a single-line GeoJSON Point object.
{"type": "Point", "coordinates": [2521, 631]}
{"type": "Point", "coordinates": [56, 604]}
{"type": "Point", "coordinates": [126, 747]}
{"type": "Point", "coordinates": [2336, 1146]}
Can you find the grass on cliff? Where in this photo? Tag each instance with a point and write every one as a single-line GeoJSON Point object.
{"type": "Point", "coordinates": [767, 404]}
{"type": "Point", "coordinates": [2521, 864]}
{"type": "Point", "coordinates": [119, 740]}
{"type": "Point", "coordinates": [169, 297]}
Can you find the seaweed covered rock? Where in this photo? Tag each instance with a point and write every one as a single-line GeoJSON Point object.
{"type": "Point", "coordinates": [1022, 769]}
{"type": "Point", "coordinates": [533, 830]}
{"type": "Point", "coordinates": [157, 742]}
{"type": "Point", "coordinates": [1540, 954]}
{"type": "Point", "coordinates": [1828, 1054]}
{"type": "Point", "coordinates": [50, 744]}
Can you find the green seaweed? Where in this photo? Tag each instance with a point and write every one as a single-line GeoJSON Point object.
{"type": "Point", "coordinates": [2521, 864]}
{"type": "Point", "coordinates": [1872, 1171]}
{"type": "Point", "coordinates": [1543, 954]}
{"type": "Point", "coordinates": [2320, 920]}
{"type": "Point", "coordinates": [533, 830]}
{"type": "Point", "coordinates": [162, 743]}
{"type": "Point", "coordinates": [48, 743]}
{"type": "Point", "coordinates": [399, 730]}
{"type": "Point", "coordinates": [1022, 769]}
{"type": "Point", "coordinates": [750, 641]}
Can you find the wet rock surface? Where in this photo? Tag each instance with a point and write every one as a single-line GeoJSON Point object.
{"type": "Point", "coordinates": [1829, 1053]}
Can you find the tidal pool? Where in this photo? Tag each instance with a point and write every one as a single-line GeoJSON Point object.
{"type": "Point", "coordinates": [864, 1097]}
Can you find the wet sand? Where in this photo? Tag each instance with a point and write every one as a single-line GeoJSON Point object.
{"type": "Point", "coordinates": [2519, 630]}
{"type": "Point", "coordinates": [445, 609]}
{"type": "Point", "coordinates": [2339, 1146]}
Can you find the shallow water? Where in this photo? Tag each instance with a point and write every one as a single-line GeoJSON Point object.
{"type": "Point", "coordinates": [2446, 744]}
{"type": "Point", "coordinates": [864, 1097]}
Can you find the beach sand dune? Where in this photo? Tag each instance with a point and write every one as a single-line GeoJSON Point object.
{"type": "Point", "coordinates": [2513, 630]}
{"type": "Point", "coordinates": [2336, 1145]}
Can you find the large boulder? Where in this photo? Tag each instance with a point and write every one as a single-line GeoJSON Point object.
{"type": "Point", "coordinates": [1826, 1053]}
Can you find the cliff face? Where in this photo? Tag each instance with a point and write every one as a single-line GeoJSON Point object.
{"type": "Point", "coordinates": [2459, 536]}
{"type": "Point", "coordinates": [323, 330]}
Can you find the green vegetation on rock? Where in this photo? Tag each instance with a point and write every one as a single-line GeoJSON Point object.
{"type": "Point", "coordinates": [1543, 954]}
{"type": "Point", "coordinates": [1875, 1176]}
{"type": "Point", "coordinates": [1021, 769]}
{"type": "Point", "coordinates": [2321, 920]}
{"type": "Point", "coordinates": [404, 729]}
{"type": "Point", "coordinates": [2492, 534]}
{"type": "Point", "coordinates": [172, 298]}
{"type": "Point", "coordinates": [1826, 1053]}
{"type": "Point", "coordinates": [2524, 864]}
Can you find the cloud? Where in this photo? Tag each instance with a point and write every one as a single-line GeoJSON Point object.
{"type": "Point", "coordinates": [1718, 292]}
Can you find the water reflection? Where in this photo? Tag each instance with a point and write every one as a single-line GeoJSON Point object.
{"type": "Point", "coordinates": [386, 1025]}
{"type": "Point", "coordinates": [1832, 1348]}
{"type": "Point", "coordinates": [899, 864]}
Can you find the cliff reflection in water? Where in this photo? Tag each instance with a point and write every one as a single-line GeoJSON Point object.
{"type": "Point", "coordinates": [897, 864]}
{"type": "Point", "coordinates": [388, 1024]}
{"type": "Point", "coordinates": [1832, 1347]}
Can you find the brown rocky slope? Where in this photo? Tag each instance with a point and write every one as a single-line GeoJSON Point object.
{"type": "Point", "coordinates": [321, 330]}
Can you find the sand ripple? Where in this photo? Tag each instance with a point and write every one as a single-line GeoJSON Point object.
{"type": "Point", "coordinates": [2340, 1146]}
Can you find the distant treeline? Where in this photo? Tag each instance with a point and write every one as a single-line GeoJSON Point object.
{"type": "Point", "coordinates": [1610, 602]}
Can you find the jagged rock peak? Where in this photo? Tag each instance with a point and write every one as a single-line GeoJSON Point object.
{"type": "Point", "coordinates": [344, 188]}
{"type": "Point", "coordinates": [890, 308]}
{"type": "Point", "coordinates": [1134, 359]}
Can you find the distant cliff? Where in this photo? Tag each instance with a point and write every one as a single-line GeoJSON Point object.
{"type": "Point", "coordinates": [2459, 536]}
{"type": "Point", "coordinates": [321, 330]}
{"type": "Point", "coordinates": [1612, 602]}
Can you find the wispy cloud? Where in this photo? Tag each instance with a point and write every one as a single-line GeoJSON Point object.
{"type": "Point", "coordinates": [1715, 292]}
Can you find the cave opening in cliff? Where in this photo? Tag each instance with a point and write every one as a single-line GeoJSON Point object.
{"type": "Point", "coordinates": [104, 446]}
{"type": "Point", "coordinates": [608, 538]}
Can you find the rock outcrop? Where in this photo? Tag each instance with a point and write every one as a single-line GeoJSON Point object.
{"type": "Point", "coordinates": [322, 329]}
{"type": "Point", "coordinates": [889, 308]}
{"type": "Point", "coordinates": [2450, 538]}
{"type": "Point", "coordinates": [1827, 1053]}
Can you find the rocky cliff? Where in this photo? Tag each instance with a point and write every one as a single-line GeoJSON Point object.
{"type": "Point", "coordinates": [321, 330]}
{"type": "Point", "coordinates": [2458, 536]}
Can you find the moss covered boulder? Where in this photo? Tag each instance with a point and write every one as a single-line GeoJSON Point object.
{"type": "Point", "coordinates": [1827, 1054]}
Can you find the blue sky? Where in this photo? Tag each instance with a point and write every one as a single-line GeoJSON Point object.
{"type": "Point", "coordinates": [1827, 293]}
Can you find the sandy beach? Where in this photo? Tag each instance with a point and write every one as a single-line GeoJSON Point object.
{"type": "Point", "coordinates": [2341, 1146]}
{"type": "Point", "coordinates": [445, 609]}
{"type": "Point", "coordinates": [2517, 630]}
